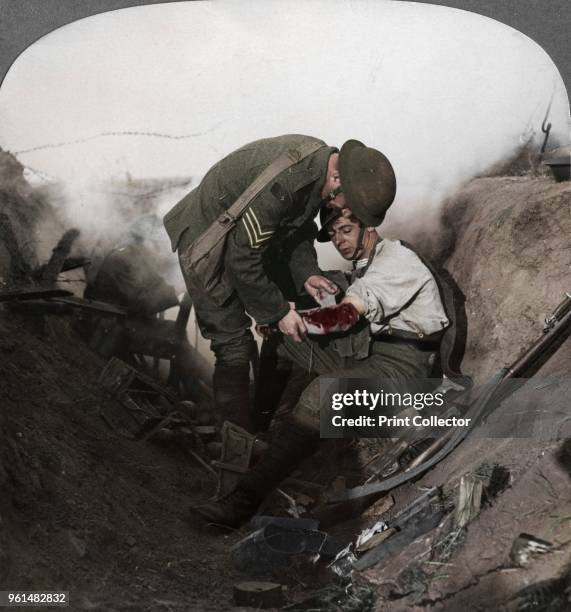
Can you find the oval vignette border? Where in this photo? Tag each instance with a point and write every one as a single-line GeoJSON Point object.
{"type": "Point", "coordinates": [24, 22]}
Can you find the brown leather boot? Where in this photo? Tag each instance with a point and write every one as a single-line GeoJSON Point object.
{"type": "Point", "coordinates": [289, 448]}
{"type": "Point", "coordinates": [290, 445]}
{"type": "Point", "coordinates": [231, 385]}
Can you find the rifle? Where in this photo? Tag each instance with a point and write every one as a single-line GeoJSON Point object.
{"type": "Point", "coordinates": [555, 332]}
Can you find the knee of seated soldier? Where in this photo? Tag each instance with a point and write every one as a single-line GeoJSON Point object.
{"type": "Point", "coordinates": [306, 411]}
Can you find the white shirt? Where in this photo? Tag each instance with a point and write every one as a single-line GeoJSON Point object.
{"type": "Point", "coordinates": [399, 292]}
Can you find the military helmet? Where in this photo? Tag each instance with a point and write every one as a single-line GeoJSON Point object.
{"type": "Point", "coordinates": [368, 182]}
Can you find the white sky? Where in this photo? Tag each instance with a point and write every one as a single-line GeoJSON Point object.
{"type": "Point", "coordinates": [442, 92]}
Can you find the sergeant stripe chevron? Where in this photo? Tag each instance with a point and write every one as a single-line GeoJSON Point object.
{"type": "Point", "coordinates": [255, 234]}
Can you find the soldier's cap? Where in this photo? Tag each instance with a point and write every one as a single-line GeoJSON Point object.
{"type": "Point", "coordinates": [328, 216]}
{"type": "Point", "coordinates": [368, 181]}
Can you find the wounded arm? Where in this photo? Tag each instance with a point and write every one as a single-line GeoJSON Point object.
{"type": "Point", "coordinates": [389, 286]}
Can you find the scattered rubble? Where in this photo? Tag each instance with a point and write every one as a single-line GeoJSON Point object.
{"type": "Point", "coordinates": [270, 550]}
{"type": "Point", "coordinates": [524, 548]}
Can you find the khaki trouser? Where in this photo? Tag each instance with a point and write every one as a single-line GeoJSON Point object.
{"type": "Point", "coordinates": [405, 363]}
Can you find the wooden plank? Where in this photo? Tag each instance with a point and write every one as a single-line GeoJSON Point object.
{"type": "Point", "coordinates": [32, 293]}
{"type": "Point", "coordinates": [91, 305]}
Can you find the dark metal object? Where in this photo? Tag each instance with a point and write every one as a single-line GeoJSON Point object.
{"type": "Point", "coordinates": [48, 274]}
{"type": "Point", "coordinates": [555, 325]}
{"type": "Point", "coordinates": [260, 521]}
{"type": "Point", "coordinates": [272, 548]}
{"type": "Point", "coordinates": [154, 337]}
{"type": "Point", "coordinates": [32, 293]}
{"type": "Point", "coordinates": [419, 517]}
{"type": "Point", "coordinates": [560, 167]}
{"type": "Point", "coordinates": [183, 315]}
{"type": "Point", "coordinates": [545, 128]}
{"type": "Point", "coordinates": [72, 263]}
{"type": "Point", "coordinates": [20, 271]}
{"type": "Point", "coordinates": [92, 306]}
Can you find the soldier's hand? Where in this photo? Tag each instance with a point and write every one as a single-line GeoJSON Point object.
{"type": "Point", "coordinates": [292, 325]}
{"type": "Point", "coordinates": [318, 286]}
{"type": "Point", "coordinates": [264, 331]}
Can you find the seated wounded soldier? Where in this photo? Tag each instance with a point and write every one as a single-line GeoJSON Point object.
{"type": "Point", "coordinates": [388, 325]}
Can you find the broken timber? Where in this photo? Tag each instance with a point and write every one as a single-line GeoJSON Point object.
{"type": "Point", "coordinates": [145, 404]}
{"type": "Point", "coordinates": [32, 293]}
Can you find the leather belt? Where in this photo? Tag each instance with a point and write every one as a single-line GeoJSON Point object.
{"type": "Point", "coordinates": [429, 342]}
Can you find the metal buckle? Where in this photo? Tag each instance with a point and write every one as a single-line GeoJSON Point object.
{"type": "Point", "coordinates": [226, 219]}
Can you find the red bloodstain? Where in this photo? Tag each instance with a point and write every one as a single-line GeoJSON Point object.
{"type": "Point", "coordinates": [333, 318]}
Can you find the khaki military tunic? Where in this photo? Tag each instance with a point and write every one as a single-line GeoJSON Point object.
{"type": "Point", "coordinates": [277, 227]}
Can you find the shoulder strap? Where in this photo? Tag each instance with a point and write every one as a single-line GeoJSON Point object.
{"type": "Point", "coordinates": [227, 220]}
{"type": "Point", "coordinates": [450, 338]}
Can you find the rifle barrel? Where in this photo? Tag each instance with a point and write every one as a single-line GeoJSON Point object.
{"type": "Point", "coordinates": [555, 325]}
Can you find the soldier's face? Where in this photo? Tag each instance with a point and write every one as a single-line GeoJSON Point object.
{"type": "Point", "coordinates": [332, 184]}
{"type": "Point", "coordinates": [337, 202]}
{"type": "Point", "coordinates": [344, 234]}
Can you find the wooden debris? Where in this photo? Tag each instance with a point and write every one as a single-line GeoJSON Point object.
{"type": "Point", "coordinates": [204, 430]}
{"type": "Point", "coordinates": [376, 539]}
{"type": "Point", "coordinates": [49, 272]}
{"type": "Point", "coordinates": [372, 536]}
{"type": "Point", "coordinates": [143, 404]}
{"type": "Point", "coordinates": [260, 595]}
{"type": "Point", "coordinates": [91, 305]}
{"type": "Point", "coordinates": [525, 547]}
{"type": "Point", "coordinates": [379, 507]}
{"type": "Point", "coordinates": [469, 499]}
{"type": "Point", "coordinates": [293, 508]}
{"type": "Point", "coordinates": [201, 461]}
{"type": "Point", "coordinates": [32, 293]}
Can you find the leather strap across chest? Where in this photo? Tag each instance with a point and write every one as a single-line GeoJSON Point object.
{"type": "Point", "coordinates": [227, 220]}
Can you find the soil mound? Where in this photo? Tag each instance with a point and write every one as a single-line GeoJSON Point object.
{"type": "Point", "coordinates": [511, 259]}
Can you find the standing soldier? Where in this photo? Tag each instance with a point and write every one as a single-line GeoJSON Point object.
{"type": "Point", "coordinates": [394, 320]}
{"type": "Point", "coordinates": [253, 212]}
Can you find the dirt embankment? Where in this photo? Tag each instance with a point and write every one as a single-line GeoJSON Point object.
{"type": "Point", "coordinates": [512, 259]}
{"type": "Point", "coordinates": [82, 508]}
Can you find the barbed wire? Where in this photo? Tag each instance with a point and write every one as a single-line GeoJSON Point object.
{"type": "Point", "coordinates": [149, 194]}
{"type": "Point", "coordinates": [113, 134]}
